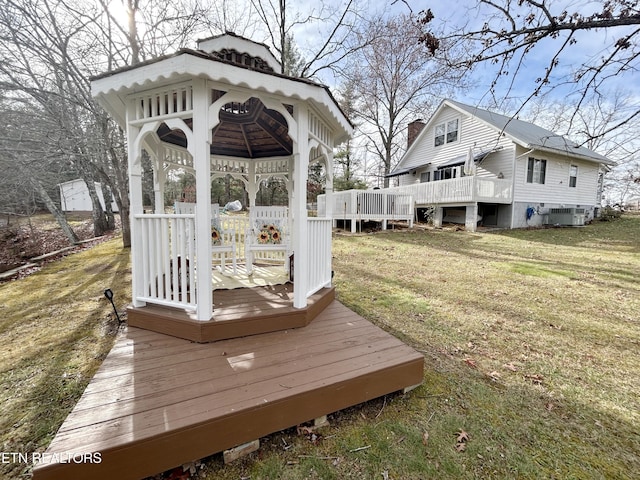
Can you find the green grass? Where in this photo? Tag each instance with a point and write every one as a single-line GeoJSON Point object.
{"type": "Point", "coordinates": [532, 346]}
{"type": "Point", "coordinates": [55, 328]}
{"type": "Point", "coordinates": [531, 341]}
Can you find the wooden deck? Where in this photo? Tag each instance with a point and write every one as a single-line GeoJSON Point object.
{"type": "Point", "coordinates": [158, 401]}
{"type": "Point", "coordinates": [237, 313]}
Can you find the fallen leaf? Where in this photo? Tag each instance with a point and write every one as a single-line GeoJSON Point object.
{"type": "Point", "coordinates": [461, 447]}
{"type": "Point", "coordinates": [510, 366]}
{"type": "Point", "coordinates": [462, 436]}
{"type": "Point", "coordinates": [535, 378]}
{"type": "Point", "coordinates": [425, 438]}
{"type": "Point", "coordinates": [494, 375]}
{"type": "Point", "coordinates": [471, 363]}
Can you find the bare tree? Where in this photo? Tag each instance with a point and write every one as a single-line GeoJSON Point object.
{"type": "Point", "coordinates": [333, 24]}
{"type": "Point", "coordinates": [32, 164]}
{"type": "Point", "coordinates": [512, 32]}
{"type": "Point", "coordinates": [394, 80]}
{"type": "Point", "coordinates": [49, 50]}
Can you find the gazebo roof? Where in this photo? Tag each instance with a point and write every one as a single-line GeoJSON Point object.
{"type": "Point", "coordinates": [248, 129]}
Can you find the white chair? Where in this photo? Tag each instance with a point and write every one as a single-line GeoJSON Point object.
{"type": "Point", "coordinates": [267, 233]}
{"type": "Point", "coordinates": [223, 242]}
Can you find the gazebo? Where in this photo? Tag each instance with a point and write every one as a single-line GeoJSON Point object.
{"type": "Point", "coordinates": [219, 110]}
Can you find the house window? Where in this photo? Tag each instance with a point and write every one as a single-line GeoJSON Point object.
{"type": "Point", "coordinates": [425, 177]}
{"type": "Point", "coordinates": [446, 173]}
{"type": "Point", "coordinates": [573, 175]}
{"type": "Point", "coordinates": [452, 131]}
{"type": "Point", "coordinates": [536, 170]}
{"type": "Point", "coordinates": [446, 132]}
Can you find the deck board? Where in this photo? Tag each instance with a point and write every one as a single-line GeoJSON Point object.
{"type": "Point", "coordinates": [159, 401]}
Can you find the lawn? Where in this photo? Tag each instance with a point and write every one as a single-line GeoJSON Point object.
{"type": "Point", "coordinates": [531, 341]}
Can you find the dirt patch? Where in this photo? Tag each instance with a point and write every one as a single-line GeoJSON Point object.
{"type": "Point", "coordinates": [26, 238]}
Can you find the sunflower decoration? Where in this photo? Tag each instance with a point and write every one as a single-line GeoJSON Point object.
{"type": "Point", "coordinates": [216, 236]}
{"type": "Point", "coordinates": [263, 236]}
{"type": "Point", "coordinates": [268, 233]}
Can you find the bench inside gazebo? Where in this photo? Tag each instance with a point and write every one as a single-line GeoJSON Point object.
{"type": "Point", "coordinates": [202, 366]}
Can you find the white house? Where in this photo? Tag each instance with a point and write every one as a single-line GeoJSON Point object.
{"type": "Point", "coordinates": [489, 169]}
{"type": "Point", "coordinates": [74, 196]}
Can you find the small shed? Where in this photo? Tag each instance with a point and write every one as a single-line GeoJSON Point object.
{"type": "Point", "coordinates": [74, 196]}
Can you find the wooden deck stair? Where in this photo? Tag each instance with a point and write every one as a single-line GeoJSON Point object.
{"type": "Point", "coordinates": [158, 401]}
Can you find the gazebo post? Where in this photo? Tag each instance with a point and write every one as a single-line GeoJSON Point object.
{"type": "Point", "coordinates": [159, 178]}
{"type": "Point", "coordinates": [136, 208]}
{"type": "Point", "coordinates": [252, 188]}
{"type": "Point", "coordinates": [329, 186]}
{"type": "Point", "coordinates": [202, 164]}
{"type": "Point", "coordinates": [299, 205]}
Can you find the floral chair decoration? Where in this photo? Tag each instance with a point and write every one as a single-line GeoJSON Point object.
{"type": "Point", "coordinates": [267, 237]}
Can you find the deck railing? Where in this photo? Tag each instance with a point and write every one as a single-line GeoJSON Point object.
{"type": "Point", "coordinates": [319, 248]}
{"type": "Point", "coordinates": [465, 189]}
{"type": "Point", "coordinates": [167, 267]}
{"type": "Point", "coordinates": [380, 205]}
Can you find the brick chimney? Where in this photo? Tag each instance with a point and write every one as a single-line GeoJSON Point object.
{"type": "Point", "coordinates": [413, 130]}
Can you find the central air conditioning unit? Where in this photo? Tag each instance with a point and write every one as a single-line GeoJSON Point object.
{"type": "Point", "coordinates": [574, 217]}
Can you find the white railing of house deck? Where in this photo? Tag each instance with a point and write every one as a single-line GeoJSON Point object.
{"type": "Point", "coordinates": [465, 189]}
{"type": "Point", "coordinates": [319, 248]}
{"type": "Point", "coordinates": [167, 268]}
{"type": "Point", "coordinates": [374, 205]}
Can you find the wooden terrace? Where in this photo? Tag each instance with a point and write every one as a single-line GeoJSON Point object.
{"type": "Point", "coordinates": [159, 401]}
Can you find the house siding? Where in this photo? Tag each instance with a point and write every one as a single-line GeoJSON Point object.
{"type": "Point", "coordinates": [556, 188]}
{"type": "Point", "coordinates": [556, 192]}
{"type": "Point", "coordinates": [471, 132]}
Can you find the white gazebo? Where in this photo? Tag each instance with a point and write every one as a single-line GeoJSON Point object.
{"type": "Point", "coordinates": [220, 110]}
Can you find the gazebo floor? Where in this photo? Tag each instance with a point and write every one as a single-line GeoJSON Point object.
{"type": "Point", "coordinates": [237, 313]}
{"type": "Point", "coordinates": [158, 401]}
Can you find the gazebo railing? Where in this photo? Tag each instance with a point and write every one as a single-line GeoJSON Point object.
{"type": "Point", "coordinates": [166, 273]}
{"type": "Point", "coordinates": [166, 270]}
{"type": "Point", "coordinates": [319, 248]}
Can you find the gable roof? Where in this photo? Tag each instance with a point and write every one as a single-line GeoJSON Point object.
{"type": "Point", "coordinates": [530, 135]}
{"type": "Point", "coordinates": [523, 133]}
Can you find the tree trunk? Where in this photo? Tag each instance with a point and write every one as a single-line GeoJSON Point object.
{"type": "Point", "coordinates": [60, 218]}
{"type": "Point", "coordinates": [108, 199]}
{"type": "Point", "coordinates": [100, 225]}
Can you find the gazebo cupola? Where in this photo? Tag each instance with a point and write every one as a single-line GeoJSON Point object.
{"type": "Point", "coordinates": [220, 110]}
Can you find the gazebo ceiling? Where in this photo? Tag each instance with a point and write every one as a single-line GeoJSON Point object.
{"type": "Point", "coordinates": [246, 130]}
